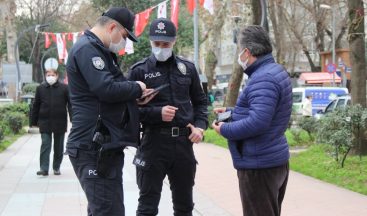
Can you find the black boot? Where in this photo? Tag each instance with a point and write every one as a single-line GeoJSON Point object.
{"type": "Point", "coordinates": [42, 173]}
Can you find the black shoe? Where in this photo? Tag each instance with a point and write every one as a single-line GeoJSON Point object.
{"type": "Point", "coordinates": [42, 173]}
{"type": "Point", "coordinates": [57, 172]}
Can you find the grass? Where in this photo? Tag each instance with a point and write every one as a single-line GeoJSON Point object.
{"type": "Point", "coordinates": [210, 136]}
{"type": "Point", "coordinates": [316, 162]}
{"type": "Point", "coordinates": [10, 139]}
{"type": "Point", "coordinates": [302, 140]}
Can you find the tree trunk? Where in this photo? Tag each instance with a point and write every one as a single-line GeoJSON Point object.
{"type": "Point", "coordinates": [276, 16]}
{"type": "Point", "coordinates": [357, 56]}
{"type": "Point", "coordinates": [234, 84]}
{"type": "Point", "coordinates": [210, 64]}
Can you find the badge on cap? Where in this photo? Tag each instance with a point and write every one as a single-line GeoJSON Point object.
{"type": "Point", "coordinates": [98, 63]}
{"type": "Point", "coordinates": [182, 67]}
{"type": "Point", "coordinates": [161, 26]}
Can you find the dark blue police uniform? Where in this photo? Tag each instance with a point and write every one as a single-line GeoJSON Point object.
{"type": "Point", "coordinates": [165, 148]}
{"type": "Point", "coordinates": [98, 88]}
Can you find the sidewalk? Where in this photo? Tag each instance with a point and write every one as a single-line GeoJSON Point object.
{"type": "Point", "coordinates": [216, 189]}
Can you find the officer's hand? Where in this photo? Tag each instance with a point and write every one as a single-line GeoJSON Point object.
{"type": "Point", "coordinates": [219, 110]}
{"type": "Point", "coordinates": [145, 100]}
{"type": "Point", "coordinates": [196, 135]}
{"type": "Point", "coordinates": [168, 113]}
{"type": "Point", "coordinates": [142, 85]}
{"type": "Point", "coordinates": [216, 126]}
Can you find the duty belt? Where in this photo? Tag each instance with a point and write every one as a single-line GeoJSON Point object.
{"type": "Point", "coordinates": [172, 131]}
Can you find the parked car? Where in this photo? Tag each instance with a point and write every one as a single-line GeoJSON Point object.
{"type": "Point", "coordinates": [321, 97]}
{"type": "Point", "coordinates": [339, 103]}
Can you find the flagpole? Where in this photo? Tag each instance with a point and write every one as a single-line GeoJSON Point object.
{"type": "Point", "coordinates": [196, 37]}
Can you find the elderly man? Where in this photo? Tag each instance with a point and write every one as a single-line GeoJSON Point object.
{"type": "Point", "coordinates": [259, 120]}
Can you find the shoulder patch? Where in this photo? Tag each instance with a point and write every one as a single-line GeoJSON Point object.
{"type": "Point", "coordinates": [98, 63]}
{"type": "Point", "coordinates": [184, 59]}
{"type": "Point", "coordinates": [138, 63]}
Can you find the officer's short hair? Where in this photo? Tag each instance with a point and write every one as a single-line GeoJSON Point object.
{"type": "Point", "coordinates": [256, 39]}
{"type": "Point", "coordinates": [103, 20]}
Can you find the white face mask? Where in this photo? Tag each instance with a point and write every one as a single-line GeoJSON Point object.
{"type": "Point", "coordinates": [162, 54]}
{"type": "Point", "coordinates": [51, 80]}
{"type": "Point", "coordinates": [240, 62]}
{"type": "Point", "coordinates": [116, 47]}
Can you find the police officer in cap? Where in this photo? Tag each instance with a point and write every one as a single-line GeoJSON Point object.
{"type": "Point", "coordinates": [172, 121]}
{"type": "Point", "coordinates": [105, 117]}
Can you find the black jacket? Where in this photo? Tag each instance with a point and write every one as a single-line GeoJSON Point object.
{"type": "Point", "coordinates": [185, 92]}
{"type": "Point", "coordinates": [97, 86]}
{"type": "Point", "coordinates": [49, 110]}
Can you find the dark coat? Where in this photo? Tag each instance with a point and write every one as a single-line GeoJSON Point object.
{"type": "Point", "coordinates": [260, 117]}
{"type": "Point", "coordinates": [98, 87]}
{"type": "Point", "coordinates": [50, 106]}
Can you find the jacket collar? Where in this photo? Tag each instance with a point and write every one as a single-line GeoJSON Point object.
{"type": "Point", "coordinates": [94, 37]}
{"type": "Point", "coordinates": [91, 35]}
{"type": "Point", "coordinates": [261, 60]}
{"type": "Point", "coordinates": [48, 85]}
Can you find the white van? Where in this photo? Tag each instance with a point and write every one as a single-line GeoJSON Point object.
{"type": "Point", "coordinates": [321, 97]}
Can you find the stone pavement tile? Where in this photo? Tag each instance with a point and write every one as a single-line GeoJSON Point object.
{"type": "Point", "coordinates": [62, 204]}
{"type": "Point", "coordinates": [216, 178]}
{"type": "Point", "coordinates": [13, 149]}
{"type": "Point", "coordinates": [308, 196]}
{"type": "Point", "coordinates": [24, 205]}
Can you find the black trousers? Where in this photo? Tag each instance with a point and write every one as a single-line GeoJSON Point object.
{"type": "Point", "coordinates": [105, 195]}
{"type": "Point", "coordinates": [46, 150]}
{"type": "Point", "coordinates": [160, 155]}
{"type": "Point", "coordinates": [262, 190]}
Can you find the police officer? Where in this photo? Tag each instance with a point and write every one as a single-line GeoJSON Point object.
{"type": "Point", "coordinates": [105, 117]}
{"type": "Point", "coordinates": [172, 121]}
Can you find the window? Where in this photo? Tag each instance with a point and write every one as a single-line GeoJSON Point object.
{"type": "Point", "coordinates": [297, 97]}
{"type": "Point", "coordinates": [330, 107]}
{"type": "Point", "coordinates": [340, 104]}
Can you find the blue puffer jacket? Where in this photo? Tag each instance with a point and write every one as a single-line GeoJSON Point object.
{"type": "Point", "coordinates": [256, 134]}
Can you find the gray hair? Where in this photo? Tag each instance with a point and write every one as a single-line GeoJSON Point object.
{"type": "Point", "coordinates": [103, 20]}
{"type": "Point", "coordinates": [256, 39]}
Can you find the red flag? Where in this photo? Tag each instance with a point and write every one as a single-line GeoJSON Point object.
{"type": "Point", "coordinates": [175, 8]}
{"type": "Point", "coordinates": [141, 20]}
{"type": "Point", "coordinates": [53, 36]}
{"type": "Point", "coordinates": [191, 5]}
{"type": "Point", "coordinates": [47, 40]}
{"type": "Point", "coordinates": [70, 36]}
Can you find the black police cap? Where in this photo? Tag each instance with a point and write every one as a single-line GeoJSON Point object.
{"type": "Point", "coordinates": [162, 30]}
{"type": "Point", "coordinates": [125, 17]}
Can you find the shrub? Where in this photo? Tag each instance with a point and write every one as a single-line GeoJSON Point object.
{"type": "Point", "coordinates": [15, 121]}
{"type": "Point", "coordinates": [17, 107]}
{"type": "Point", "coordinates": [2, 131]}
{"type": "Point", "coordinates": [309, 124]}
{"type": "Point", "coordinates": [343, 130]}
{"type": "Point", "coordinates": [30, 88]}
{"type": "Point", "coordinates": [296, 132]}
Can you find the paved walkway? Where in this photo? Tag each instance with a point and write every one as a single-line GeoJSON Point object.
{"type": "Point", "coordinates": [216, 189]}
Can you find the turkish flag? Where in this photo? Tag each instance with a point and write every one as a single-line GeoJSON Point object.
{"type": "Point", "coordinates": [191, 5]}
{"type": "Point", "coordinates": [175, 8]}
{"type": "Point", "coordinates": [47, 40]}
{"type": "Point", "coordinates": [141, 20]}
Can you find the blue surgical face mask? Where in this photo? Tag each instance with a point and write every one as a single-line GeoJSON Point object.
{"type": "Point", "coordinates": [162, 54]}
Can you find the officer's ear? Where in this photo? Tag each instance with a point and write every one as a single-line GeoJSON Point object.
{"type": "Point", "coordinates": [111, 26]}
